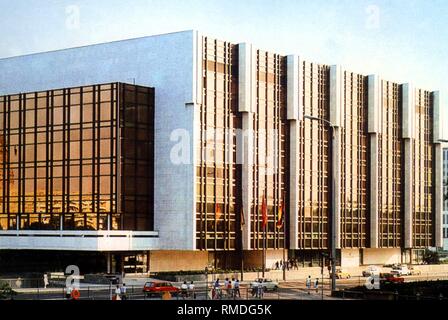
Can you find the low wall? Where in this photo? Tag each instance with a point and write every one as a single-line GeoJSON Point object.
{"type": "Point", "coordinates": [382, 256]}
{"type": "Point", "coordinates": [165, 261]}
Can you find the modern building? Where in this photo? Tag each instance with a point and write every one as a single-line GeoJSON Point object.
{"type": "Point", "coordinates": [445, 202]}
{"type": "Point", "coordinates": [248, 147]}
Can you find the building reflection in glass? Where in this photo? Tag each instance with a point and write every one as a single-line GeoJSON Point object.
{"type": "Point", "coordinates": [59, 157]}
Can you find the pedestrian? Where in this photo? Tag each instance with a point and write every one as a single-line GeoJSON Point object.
{"type": "Point", "coordinates": [276, 265]}
{"type": "Point", "coordinates": [191, 290]}
{"type": "Point", "coordinates": [316, 284]}
{"type": "Point", "coordinates": [68, 292]}
{"type": "Point", "coordinates": [237, 288]}
{"type": "Point", "coordinates": [308, 284]}
{"type": "Point", "coordinates": [184, 289]}
{"type": "Point", "coordinates": [117, 293]}
{"type": "Point", "coordinates": [260, 289]}
{"type": "Point", "coordinates": [123, 292]}
{"type": "Point", "coordinates": [226, 286]}
{"type": "Point", "coordinates": [217, 290]}
{"type": "Point", "coordinates": [45, 281]}
{"type": "Point", "coordinates": [231, 288]}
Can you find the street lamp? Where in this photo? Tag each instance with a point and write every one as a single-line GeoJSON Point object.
{"type": "Point", "coordinates": [206, 283]}
{"type": "Point", "coordinates": [333, 209]}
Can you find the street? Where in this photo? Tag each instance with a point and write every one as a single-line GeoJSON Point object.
{"type": "Point", "coordinates": [290, 290]}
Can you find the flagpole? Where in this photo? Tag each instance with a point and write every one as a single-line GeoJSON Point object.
{"type": "Point", "coordinates": [284, 234]}
{"type": "Point", "coordinates": [265, 203]}
{"type": "Point", "coordinates": [242, 224]}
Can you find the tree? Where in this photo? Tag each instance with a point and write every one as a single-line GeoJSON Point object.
{"type": "Point", "coordinates": [431, 257]}
{"type": "Point", "coordinates": [6, 291]}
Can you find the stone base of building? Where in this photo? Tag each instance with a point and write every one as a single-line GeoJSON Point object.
{"type": "Point", "coordinates": [371, 256]}
{"type": "Point", "coordinates": [39, 261]}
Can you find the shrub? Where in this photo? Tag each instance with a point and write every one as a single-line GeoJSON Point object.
{"type": "Point", "coordinates": [6, 291]}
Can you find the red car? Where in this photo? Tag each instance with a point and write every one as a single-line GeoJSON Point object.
{"type": "Point", "coordinates": [159, 288]}
{"type": "Point", "coordinates": [391, 278]}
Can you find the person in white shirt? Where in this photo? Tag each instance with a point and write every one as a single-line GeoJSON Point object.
{"type": "Point", "coordinates": [236, 288]}
{"type": "Point", "coordinates": [46, 283]}
{"type": "Point", "coordinates": [117, 293]}
{"type": "Point", "coordinates": [68, 292]}
{"type": "Point", "coordinates": [308, 284]}
{"type": "Point", "coordinates": [184, 289]}
{"type": "Point", "coordinates": [191, 290]}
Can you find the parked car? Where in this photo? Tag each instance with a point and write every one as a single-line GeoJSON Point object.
{"type": "Point", "coordinates": [159, 288]}
{"type": "Point", "coordinates": [371, 271]}
{"type": "Point", "coordinates": [401, 270]}
{"type": "Point", "coordinates": [391, 278]}
{"type": "Point", "coordinates": [268, 284]}
{"type": "Point", "coordinates": [341, 274]}
{"type": "Point", "coordinates": [414, 271]}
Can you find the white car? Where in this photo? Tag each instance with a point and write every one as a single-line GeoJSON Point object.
{"type": "Point", "coordinates": [267, 284]}
{"type": "Point", "coordinates": [401, 271]}
{"type": "Point", "coordinates": [371, 271]}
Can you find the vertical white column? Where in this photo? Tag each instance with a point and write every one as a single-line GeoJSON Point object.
{"type": "Point", "coordinates": [374, 127]}
{"type": "Point", "coordinates": [438, 172]}
{"type": "Point", "coordinates": [246, 101]}
{"type": "Point", "coordinates": [335, 119]}
{"type": "Point", "coordinates": [195, 104]}
{"type": "Point", "coordinates": [408, 134]}
{"type": "Point", "coordinates": [294, 114]}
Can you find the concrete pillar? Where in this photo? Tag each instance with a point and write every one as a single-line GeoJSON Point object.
{"type": "Point", "coordinates": [335, 119]}
{"type": "Point", "coordinates": [247, 176]}
{"type": "Point", "coordinates": [374, 128]}
{"type": "Point", "coordinates": [109, 262]}
{"type": "Point", "coordinates": [408, 134]}
{"type": "Point", "coordinates": [336, 163]}
{"type": "Point", "coordinates": [294, 185]}
{"type": "Point", "coordinates": [295, 114]}
{"type": "Point", "coordinates": [374, 206]}
{"type": "Point", "coordinates": [408, 204]}
{"type": "Point", "coordinates": [438, 172]}
{"type": "Point", "coordinates": [246, 101]}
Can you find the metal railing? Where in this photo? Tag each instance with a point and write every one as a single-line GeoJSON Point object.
{"type": "Point", "coordinates": [33, 289]}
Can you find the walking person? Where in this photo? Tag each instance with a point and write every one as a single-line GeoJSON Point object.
{"type": "Point", "coordinates": [191, 290]}
{"type": "Point", "coordinates": [260, 289]}
{"type": "Point", "coordinates": [68, 292]}
{"type": "Point", "coordinates": [46, 283]}
{"type": "Point", "coordinates": [184, 290]}
{"type": "Point", "coordinates": [217, 290]}
{"type": "Point", "coordinates": [308, 284]}
{"type": "Point", "coordinates": [236, 288]}
{"type": "Point", "coordinates": [226, 287]}
{"type": "Point", "coordinates": [232, 289]}
{"type": "Point", "coordinates": [117, 293]}
{"type": "Point", "coordinates": [123, 292]}
{"type": "Point", "coordinates": [316, 284]}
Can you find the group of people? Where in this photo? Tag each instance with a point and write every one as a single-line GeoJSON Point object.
{"type": "Point", "coordinates": [315, 284]}
{"type": "Point", "coordinates": [187, 290]}
{"type": "Point", "coordinates": [231, 289]}
{"type": "Point", "coordinates": [291, 264]}
{"type": "Point", "coordinates": [120, 292]}
{"type": "Point", "coordinates": [258, 290]}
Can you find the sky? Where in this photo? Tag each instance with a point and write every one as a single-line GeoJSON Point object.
{"type": "Point", "coordinates": [401, 40]}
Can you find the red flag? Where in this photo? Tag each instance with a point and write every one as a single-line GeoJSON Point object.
{"type": "Point", "coordinates": [264, 212]}
{"type": "Point", "coordinates": [280, 214]}
{"type": "Point", "coordinates": [218, 212]}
